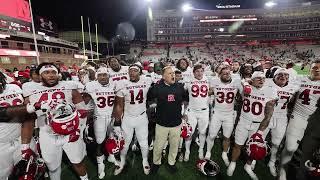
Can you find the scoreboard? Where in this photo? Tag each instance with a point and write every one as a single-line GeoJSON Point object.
{"type": "Point", "coordinates": [15, 15]}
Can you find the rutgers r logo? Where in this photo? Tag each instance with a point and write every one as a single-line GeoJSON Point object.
{"type": "Point", "coordinates": [171, 98]}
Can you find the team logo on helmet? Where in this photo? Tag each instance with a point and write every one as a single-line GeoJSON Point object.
{"type": "Point", "coordinates": [63, 117]}
{"type": "Point", "coordinates": [114, 144]}
{"type": "Point", "coordinates": [257, 148]}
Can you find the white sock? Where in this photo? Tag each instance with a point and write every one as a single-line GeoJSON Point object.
{"type": "Point", "coordinates": [100, 159]}
{"type": "Point", "coordinates": [85, 177]}
{"type": "Point", "coordinates": [122, 160]}
{"type": "Point", "coordinates": [187, 144]}
{"type": "Point", "coordinates": [210, 143]}
{"type": "Point", "coordinates": [285, 157]}
{"type": "Point", "coordinates": [202, 138]}
{"type": "Point", "coordinates": [273, 156]}
{"type": "Point", "coordinates": [180, 143]}
{"type": "Point", "coordinates": [144, 153]}
{"type": "Point", "coordinates": [56, 174]}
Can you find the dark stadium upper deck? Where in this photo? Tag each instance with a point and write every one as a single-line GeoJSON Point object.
{"type": "Point", "coordinates": [279, 22]}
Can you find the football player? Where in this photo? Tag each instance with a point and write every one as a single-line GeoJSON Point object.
{"type": "Point", "coordinates": [279, 120]}
{"type": "Point", "coordinates": [225, 90]}
{"type": "Point", "coordinates": [131, 102]}
{"type": "Point", "coordinates": [255, 116]}
{"type": "Point", "coordinates": [305, 105]}
{"type": "Point", "coordinates": [14, 138]}
{"type": "Point", "coordinates": [184, 66]}
{"type": "Point", "coordinates": [54, 137]}
{"type": "Point", "coordinates": [116, 71]}
{"type": "Point", "coordinates": [198, 108]}
{"type": "Point", "coordinates": [102, 92]}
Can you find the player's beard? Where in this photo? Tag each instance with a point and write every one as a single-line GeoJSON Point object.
{"type": "Point", "coordinates": [226, 81]}
{"type": "Point", "coordinates": [135, 79]}
{"type": "Point", "coordinates": [45, 83]}
{"type": "Point", "coordinates": [117, 69]}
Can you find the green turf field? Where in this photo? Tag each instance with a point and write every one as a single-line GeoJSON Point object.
{"type": "Point", "coordinates": [186, 171]}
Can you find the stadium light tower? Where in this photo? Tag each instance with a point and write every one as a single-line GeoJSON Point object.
{"type": "Point", "coordinates": [186, 7]}
{"type": "Point", "coordinates": [270, 4]}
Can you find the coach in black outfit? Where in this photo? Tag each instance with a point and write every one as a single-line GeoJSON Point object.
{"type": "Point", "coordinates": [169, 97]}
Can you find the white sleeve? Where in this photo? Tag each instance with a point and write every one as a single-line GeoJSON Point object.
{"type": "Point", "coordinates": [186, 85]}
{"type": "Point", "coordinates": [273, 94]}
{"type": "Point", "coordinates": [86, 89]}
{"type": "Point", "coordinates": [120, 88]}
{"type": "Point", "coordinates": [70, 85]}
{"type": "Point", "coordinates": [26, 90]}
{"type": "Point", "coordinates": [240, 87]}
{"type": "Point", "coordinates": [120, 93]}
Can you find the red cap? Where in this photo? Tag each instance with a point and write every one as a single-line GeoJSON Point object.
{"type": "Point", "coordinates": [23, 74]}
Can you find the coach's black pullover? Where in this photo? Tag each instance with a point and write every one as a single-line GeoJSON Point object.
{"type": "Point", "coordinates": [169, 100]}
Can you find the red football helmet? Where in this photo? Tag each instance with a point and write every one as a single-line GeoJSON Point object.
{"type": "Point", "coordinates": [313, 165]}
{"type": "Point", "coordinates": [63, 117]}
{"type": "Point", "coordinates": [114, 144]}
{"type": "Point", "coordinates": [186, 130]}
{"type": "Point", "coordinates": [31, 169]}
{"type": "Point", "coordinates": [313, 169]}
{"type": "Point", "coordinates": [208, 167]}
{"type": "Point", "coordinates": [257, 148]}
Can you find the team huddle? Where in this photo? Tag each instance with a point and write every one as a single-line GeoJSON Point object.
{"type": "Point", "coordinates": [115, 104]}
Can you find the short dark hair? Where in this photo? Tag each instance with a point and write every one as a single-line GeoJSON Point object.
{"type": "Point", "coordinates": [196, 67]}
{"type": "Point", "coordinates": [32, 71]}
{"type": "Point", "coordinates": [46, 64]}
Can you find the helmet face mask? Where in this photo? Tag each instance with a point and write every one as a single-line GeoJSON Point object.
{"type": "Point", "coordinates": [208, 167]}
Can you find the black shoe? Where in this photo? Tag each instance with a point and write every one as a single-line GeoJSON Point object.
{"type": "Point", "coordinates": [172, 168]}
{"type": "Point", "coordinates": [154, 168]}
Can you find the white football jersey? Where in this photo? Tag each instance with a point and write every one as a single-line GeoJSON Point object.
{"type": "Point", "coordinates": [40, 93]}
{"type": "Point", "coordinates": [253, 105]}
{"type": "Point", "coordinates": [11, 96]}
{"type": "Point", "coordinates": [102, 96]}
{"type": "Point", "coordinates": [285, 94]}
{"type": "Point", "coordinates": [308, 95]}
{"type": "Point", "coordinates": [79, 85]}
{"type": "Point", "coordinates": [225, 94]}
{"type": "Point", "coordinates": [135, 95]}
{"type": "Point", "coordinates": [187, 75]}
{"type": "Point", "coordinates": [198, 93]}
{"type": "Point", "coordinates": [121, 75]}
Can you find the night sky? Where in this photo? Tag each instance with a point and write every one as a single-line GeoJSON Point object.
{"type": "Point", "coordinates": [109, 13]}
